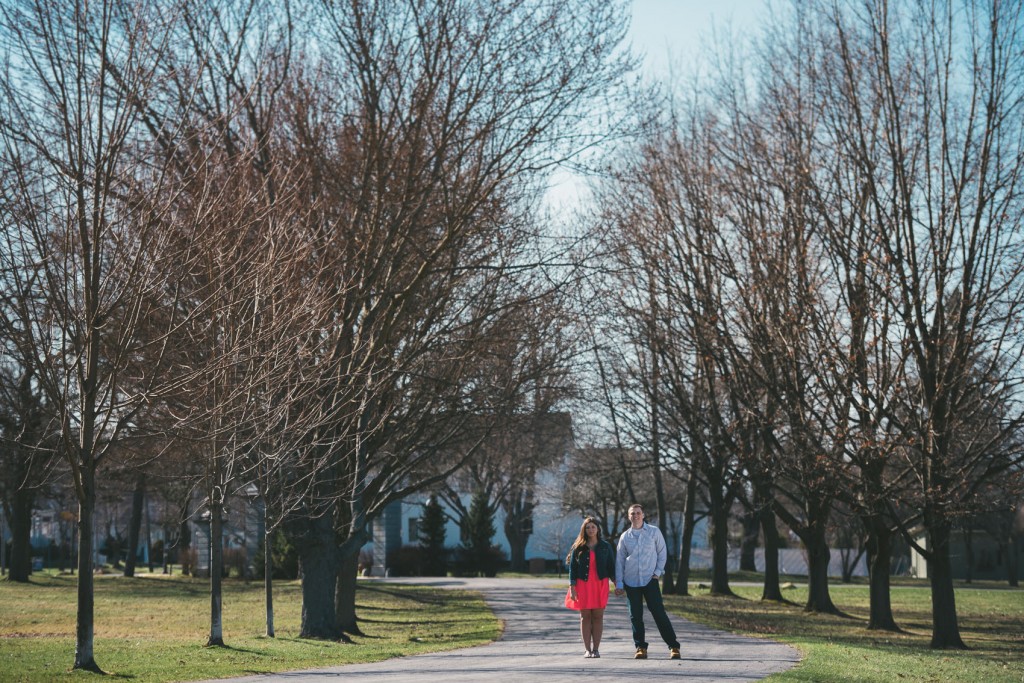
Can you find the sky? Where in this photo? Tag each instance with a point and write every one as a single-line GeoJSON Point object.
{"type": "Point", "coordinates": [671, 32]}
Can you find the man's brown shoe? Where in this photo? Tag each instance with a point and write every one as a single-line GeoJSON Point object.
{"type": "Point", "coordinates": [673, 653]}
{"type": "Point", "coordinates": [641, 653]}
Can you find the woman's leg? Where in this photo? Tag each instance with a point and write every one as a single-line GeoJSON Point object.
{"type": "Point", "coordinates": [585, 627]}
{"type": "Point", "coordinates": [596, 627]}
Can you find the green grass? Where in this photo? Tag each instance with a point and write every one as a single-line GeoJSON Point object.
{"type": "Point", "coordinates": [152, 628]}
{"type": "Point", "coordinates": [842, 649]}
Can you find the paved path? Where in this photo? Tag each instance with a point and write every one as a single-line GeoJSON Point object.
{"type": "Point", "coordinates": [541, 644]}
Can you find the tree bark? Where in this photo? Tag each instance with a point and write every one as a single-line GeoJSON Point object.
{"type": "Point", "coordinates": [268, 577]}
{"type": "Point", "coordinates": [818, 557]}
{"type": "Point", "coordinates": [682, 586]}
{"type": "Point", "coordinates": [345, 592]}
{"type": "Point", "coordinates": [216, 575]}
{"type": "Point", "coordinates": [20, 518]}
{"type": "Point", "coordinates": [969, 552]}
{"type": "Point", "coordinates": [518, 525]}
{"type": "Point", "coordinates": [879, 561]}
{"type": "Point", "coordinates": [184, 543]}
{"type": "Point", "coordinates": [719, 541]}
{"type": "Point", "coordinates": [772, 590]}
{"type": "Point", "coordinates": [84, 621]}
{"type": "Point", "coordinates": [1012, 564]}
{"type": "Point", "coordinates": [135, 524]}
{"type": "Point", "coordinates": [748, 547]}
{"type": "Point", "coordinates": [149, 540]}
{"type": "Point", "coordinates": [945, 629]}
{"type": "Point", "coordinates": [318, 555]}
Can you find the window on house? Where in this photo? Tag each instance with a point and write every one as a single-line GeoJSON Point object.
{"type": "Point", "coordinates": [414, 529]}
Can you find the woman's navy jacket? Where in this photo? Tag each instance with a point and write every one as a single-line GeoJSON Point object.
{"type": "Point", "coordinates": [579, 563]}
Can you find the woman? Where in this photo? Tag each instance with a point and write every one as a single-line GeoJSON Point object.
{"type": "Point", "coordinates": [591, 563]}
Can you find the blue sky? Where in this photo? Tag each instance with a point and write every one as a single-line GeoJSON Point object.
{"type": "Point", "coordinates": [671, 34]}
{"type": "Point", "coordinates": [672, 31]}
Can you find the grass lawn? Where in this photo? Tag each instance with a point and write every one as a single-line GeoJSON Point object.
{"type": "Point", "coordinates": [152, 628]}
{"type": "Point", "coordinates": [836, 648]}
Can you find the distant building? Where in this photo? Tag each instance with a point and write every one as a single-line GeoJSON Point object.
{"type": "Point", "coordinates": [552, 529]}
{"type": "Point", "coordinates": [975, 554]}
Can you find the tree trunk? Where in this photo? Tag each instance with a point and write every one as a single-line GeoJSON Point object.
{"type": "Point", "coordinates": [879, 562]}
{"type": "Point", "coordinates": [818, 556]}
{"type": "Point", "coordinates": [518, 528]}
{"type": "Point", "coordinates": [517, 556]}
{"type": "Point", "coordinates": [850, 560]}
{"type": "Point", "coordinates": [20, 561]}
{"type": "Point", "coordinates": [719, 542]}
{"type": "Point", "coordinates": [268, 578]}
{"type": "Point", "coordinates": [184, 543]}
{"type": "Point", "coordinates": [682, 586]}
{"type": "Point", "coordinates": [969, 552]}
{"type": "Point", "coordinates": [772, 590]}
{"type": "Point", "coordinates": [318, 555]}
{"type": "Point", "coordinates": [748, 547]}
{"type": "Point", "coordinates": [1013, 559]}
{"type": "Point", "coordinates": [945, 629]}
{"type": "Point", "coordinates": [216, 575]}
{"type": "Point", "coordinates": [149, 540]}
{"type": "Point", "coordinates": [73, 546]}
{"type": "Point", "coordinates": [345, 590]}
{"type": "Point", "coordinates": [135, 525]}
{"type": "Point", "coordinates": [84, 623]}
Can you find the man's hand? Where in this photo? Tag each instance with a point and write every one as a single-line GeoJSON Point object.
{"type": "Point", "coordinates": [619, 592]}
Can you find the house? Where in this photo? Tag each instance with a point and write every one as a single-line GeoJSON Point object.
{"type": "Point", "coordinates": [535, 447]}
{"type": "Point", "coordinates": [975, 554]}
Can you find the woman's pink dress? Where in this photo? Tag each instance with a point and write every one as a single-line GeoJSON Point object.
{"type": "Point", "coordinates": [590, 594]}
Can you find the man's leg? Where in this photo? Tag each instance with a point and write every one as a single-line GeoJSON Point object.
{"type": "Point", "coordinates": [652, 593]}
{"type": "Point", "coordinates": [635, 602]}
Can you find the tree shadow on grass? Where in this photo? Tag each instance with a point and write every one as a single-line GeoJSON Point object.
{"type": "Point", "coordinates": [426, 598]}
{"type": "Point", "coordinates": [232, 648]}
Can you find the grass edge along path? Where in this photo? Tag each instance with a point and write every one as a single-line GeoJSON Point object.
{"type": "Point", "coordinates": [153, 628]}
{"type": "Point", "coordinates": [841, 649]}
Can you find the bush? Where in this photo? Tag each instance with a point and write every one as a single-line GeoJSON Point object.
{"type": "Point", "coordinates": [365, 565]}
{"type": "Point", "coordinates": [283, 554]}
{"type": "Point", "coordinates": [156, 553]}
{"type": "Point", "coordinates": [434, 557]}
{"type": "Point", "coordinates": [188, 558]}
{"type": "Point", "coordinates": [470, 562]}
{"type": "Point", "coordinates": [406, 561]}
{"type": "Point", "coordinates": [476, 554]}
{"type": "Point", "coordinates": [235, 558]}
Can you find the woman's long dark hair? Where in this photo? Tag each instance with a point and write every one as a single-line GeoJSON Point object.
{"type": "Point", "coordinates": [581, 540]}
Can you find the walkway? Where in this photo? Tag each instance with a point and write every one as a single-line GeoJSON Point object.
{"type": "Point", "coordinates": [541, 644]}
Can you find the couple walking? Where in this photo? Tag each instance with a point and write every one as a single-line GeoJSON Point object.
{"type": "Point", "coordinates": [637, 564]}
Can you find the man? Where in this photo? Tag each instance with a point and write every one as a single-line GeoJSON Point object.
{"type": "Point", "coordinates": [639, 564]}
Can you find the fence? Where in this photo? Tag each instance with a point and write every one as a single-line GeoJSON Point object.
{"type": "Point", "coordinates": [791, 561]}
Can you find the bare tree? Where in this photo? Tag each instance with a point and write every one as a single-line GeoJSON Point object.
{"type": "Point", "coordinates": [595, 486]}
{"type": "Point", "coordinates": [930, 113]}
{"type": "Point", "coordinates": [92, 217]}
{"type": "Point", "coordinates": [26, 454]}
{"type": "Point", "coordinates": [445, 113]}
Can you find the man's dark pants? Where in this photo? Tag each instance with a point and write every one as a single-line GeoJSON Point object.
{"type": "Point", "coordinates": [651, 593]}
